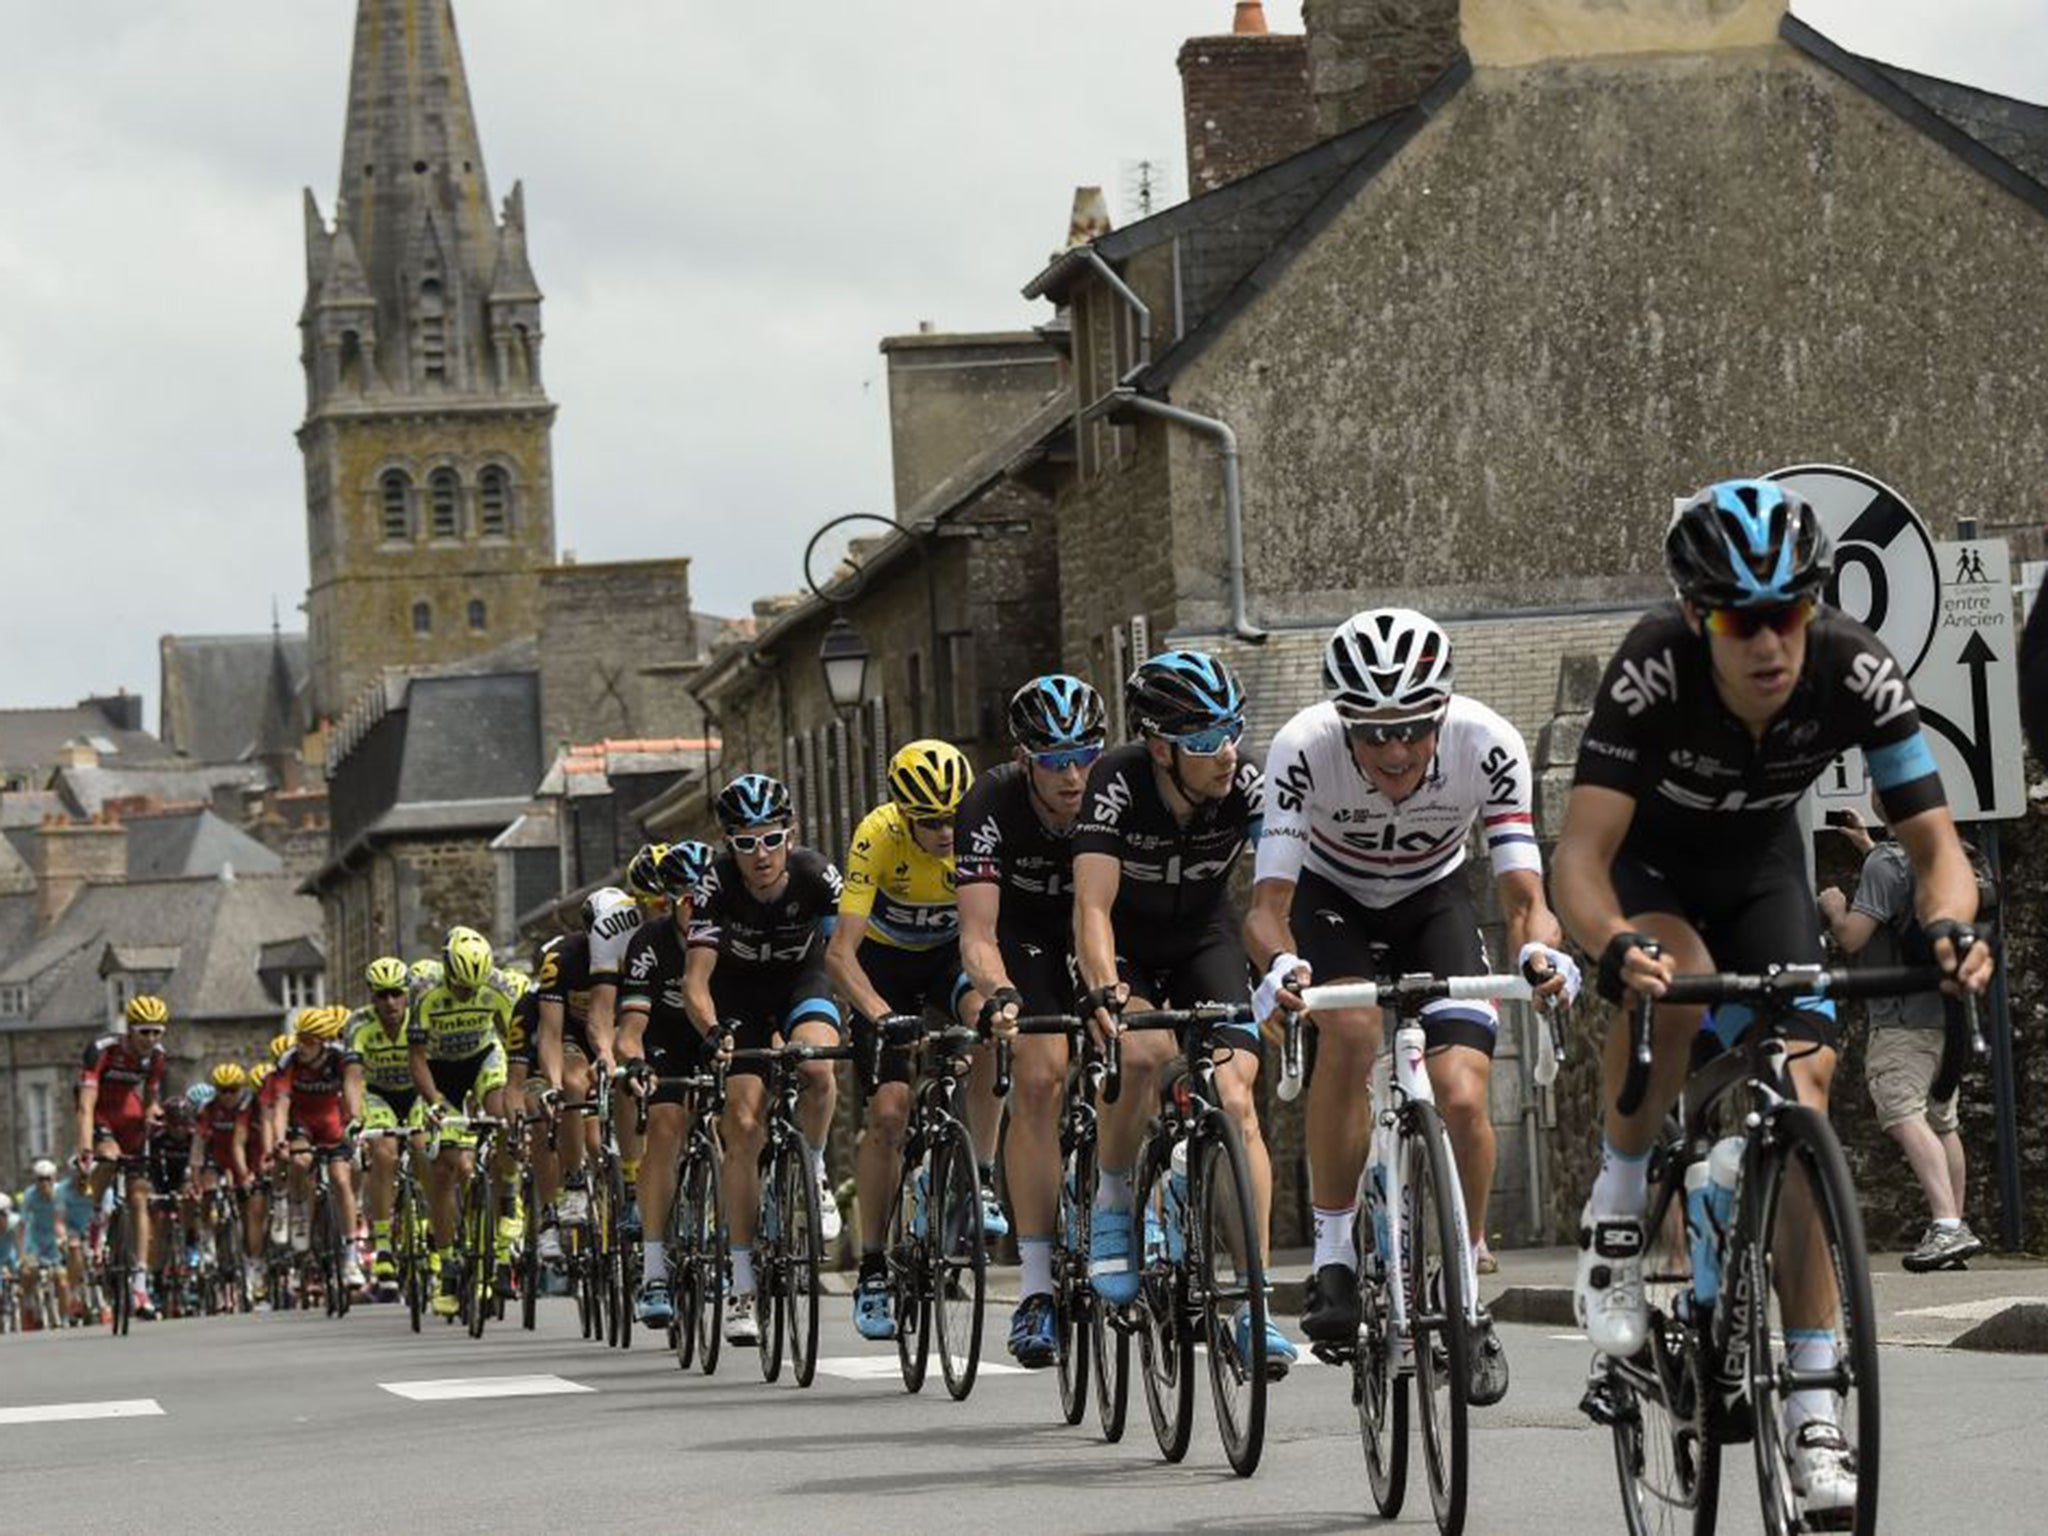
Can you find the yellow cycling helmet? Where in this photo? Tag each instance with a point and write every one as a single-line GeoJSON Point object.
{"type": "Point", "coordinates": [467, 958]}
{"type": "Point", "coordinates": [322, 1023]}
{"type": "Point", "coordinates": [929, 779]}
{"type": "Point", "coordinates": [517, 983]}
{"type": "Point", "coordinates": [386, 973]}
{"type": "Point", "coordinates": [146, 1009]}
{"type": "Point", "coordinates": [229, 1076]}
{"type": "Point", "coordinates": [643, 872]}
{"type": "Point", "coordinates": [427, 971]}
{"type": "Point", "coordinates": [258, 1073]}
{"type": "Point", "coordinates": [280, 1047]}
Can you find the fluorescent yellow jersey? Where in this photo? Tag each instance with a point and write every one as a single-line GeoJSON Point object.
{"type": "Point", "coordinates": [387, 1057]}
{"type": "Point", "coordinates": [459, 1029]}
{"type": "Point", "coordinates": [906, 894]}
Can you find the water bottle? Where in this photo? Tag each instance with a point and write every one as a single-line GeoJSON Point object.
{"type": "Point", "coordinates": [1176, 1199]}
{"type": "Point", "coordinates": [1709, 1205]}
{"type": "Point", "coordinates": [1376, 1198]}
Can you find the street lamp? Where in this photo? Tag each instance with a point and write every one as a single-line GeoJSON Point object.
{"type": "Point", "coordinates": [844, 656]}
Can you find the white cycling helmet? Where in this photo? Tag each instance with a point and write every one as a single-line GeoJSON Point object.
{"type": "Point", "coordinates": [6, 1202]}
{"type": "Point", "coordinates": [602, 903]}
{"type": "Point", "coordinates": [1388, 664]}
{"type": "Point", "coordinates": [43, 1168]}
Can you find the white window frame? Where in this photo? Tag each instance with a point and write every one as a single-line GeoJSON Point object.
{"type": "Point", "coordinates": [121, 987]}
{"type": "Point", "coordinates": [35, 1113]}
{"type": "Point", "coordinates": [13, 1000]}
{"type": "Point", "coordinates": [302, 989]}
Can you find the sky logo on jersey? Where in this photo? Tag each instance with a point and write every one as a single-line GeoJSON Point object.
{"type": "Point", "coordinates": [1291, 787]}
{"type": "Point", "coordinates": [1501, 773]}
{"type": "Point", "coordinates": [1111, 801]}
{"type": "Point", "coordinates": [1877, 679]}
{"type": "Point", "coordinates": [1642, 684]}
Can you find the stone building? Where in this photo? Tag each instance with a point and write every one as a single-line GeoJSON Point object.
{"type": "Point", "coordinates": [951, 393]}
{"type": "Point", "coordinates": [429, 485]}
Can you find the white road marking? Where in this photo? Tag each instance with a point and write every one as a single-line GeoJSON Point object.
{"type": "Point", "coordinates": [451, 1388]}
{"type": "Point", "coordinates": [1567, 1338]}
{"type": "Point", "coordinates": [1968, 1311]}
{"type": "Point", "coordinates": [52, 1413]}
{"type": "Point", "coordinates": [885, 1368]}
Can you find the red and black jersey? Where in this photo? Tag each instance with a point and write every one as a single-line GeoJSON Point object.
{"type": "Point", "coordinates": [128, 1079]}
{"type": "Point", "coordinates": [318, 1106]}
{"type": "Point", "coordinates": [221, 1123]}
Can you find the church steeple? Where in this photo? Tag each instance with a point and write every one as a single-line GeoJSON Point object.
{"type": "Point", "coordinates": [429, 483]}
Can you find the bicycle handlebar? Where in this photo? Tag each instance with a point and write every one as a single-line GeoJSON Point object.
{"type": "Point", "coordinates": [1408, 990]}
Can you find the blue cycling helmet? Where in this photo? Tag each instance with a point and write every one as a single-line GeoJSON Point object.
{"type": "Point", "coordinates": [199, 1095]}
{"type": "Point", "coordinates": [1747, 544]}
{"type": "Point", "coordinates": [1177, 692]}
{"type": "Point", "coordinates": [1057, 711]}
{"type": "Point", "coordinates": [753, 800]}
{"type": "Point", "coordinates": [682, 870]}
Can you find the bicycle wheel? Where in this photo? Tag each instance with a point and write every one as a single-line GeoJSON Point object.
{"type": "Point", "coordinates": [479, 1244]}
{"type": "Point", "coordinates": [1229, 1275]}
{"type": "Point", "coordinates": [528, 1256]}
{"type": "Point", "coordinates": [585, 1246]}
{"type": "Point", "coordinates": [684, 1234]}
{"type": "Point", "coordinates": [706, 1180]}
{"type": "Point", "coordinates": [619, 1297]}
{"type": "Point", "coordinates": [412, 1252]}
{"type": "Point", "coordinates": [1379, 1386]}
{"type": "Point", "coordinates": [960, 1261]}
{"type": "Point", "coordinates": [768, 1266]}
{"type": "Point", "coordinates": [908, 1298]}
{"type": "Point", "coordinates": [120, 1284]}
{"type": "Point", "coordinates": [1071, 1297]}
{"type": "Point", "coordinates": [1161, 1315]}
{"type": "Point", "coordinates": [1436, 1311]}
{"type": "Point", "coordinates": [803, 1257]}
{"type": "Point", "coordinates": [1667, 1460]}
{"type": "Point", "coordinates": [1801, 1189]}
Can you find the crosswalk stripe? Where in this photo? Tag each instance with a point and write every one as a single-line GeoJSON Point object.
{"type": "Point", "coordinates": [53, 1413]}
{"type": "Point", "coordinates": [885, 1368]}
{"type": "Point", "coordinates": [453, 1388]}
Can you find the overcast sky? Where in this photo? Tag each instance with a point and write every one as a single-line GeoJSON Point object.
{"type": "Point", "coordinates": [730, 203]}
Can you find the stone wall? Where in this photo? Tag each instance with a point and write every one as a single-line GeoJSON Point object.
{"type": "Point", "coordinates": [1482, 384]}
{"type": "Point", "coordinates": [618, 648]}
{"type": "Point", "coordinates": [951, 395]}
{"type": "Point", "coordinates": [403, 898]}
{"type": "Point", "coordinates": [1367, 58]}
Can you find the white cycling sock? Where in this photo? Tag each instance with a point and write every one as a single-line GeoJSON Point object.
{"type": "Point", "coordinates": [654, 1259]}
{"type": "Point", "coordinates": [1035, 1255]}
{"type": "Point", "coordinates": [1113, 1190]}
{"type": "Point", "coordinates": [1623, 1187]}
{"type": "Point", "coordinates": [1809, 1349]}
{"type": "Point", "coordinates": [1334, 1237]}
{"type": "Point", "coordinates": [743, 1271]}
{"type": "Point", "coordinates": [1948, 1223]}
{"type": "Point", "coordinates": [817, 1162]}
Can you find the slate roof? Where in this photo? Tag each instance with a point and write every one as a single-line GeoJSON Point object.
{"type": "Point", "coordinates": [217, 688]}
{"type": "Point", "coordinates": [217, 927]}
{"type": "Point", "coordinates": [84, 791]}
{"type": "Point", "coordinates": [29, 739]}
{"type": "Point", "coordinates": [193, 843]}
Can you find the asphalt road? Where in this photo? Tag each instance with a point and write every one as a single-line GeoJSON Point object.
{"type": "Point", "coordinates": [289, 1422]}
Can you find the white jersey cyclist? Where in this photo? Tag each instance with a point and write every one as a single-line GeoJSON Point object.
{"type": "Point", "coordinates": [1324, 815]}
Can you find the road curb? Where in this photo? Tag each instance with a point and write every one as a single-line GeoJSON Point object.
{"type": "Point", "coordinates": [2021, 1329]}
{"type": "Point", "coordinates": [1549, 1306]}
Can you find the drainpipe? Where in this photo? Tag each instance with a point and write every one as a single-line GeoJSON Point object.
{"type": "Point", "coordinates": [1123, 291]}
{"type": "Point", "coordinates": [1219, 433]}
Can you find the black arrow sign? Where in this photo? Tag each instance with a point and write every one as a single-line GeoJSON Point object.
{"type": "Point", "coordinates": [1976, 746]}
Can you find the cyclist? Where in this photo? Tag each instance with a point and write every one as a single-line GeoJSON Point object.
{"type": "Point", "coordinates": [1016, 943]}
{"type": "Point", "coordinates": [895, 949]}
{"type": "Point", "coordinates": [657, 1039]}
{"type": "Point", "coordinates": [1163, 823]}
{"type": "Point", "coordinates": [173, 1148]}
{"type": "Point", "coordinates": [321, 1097]}
{"type": "Point", "coordinates": [1371, 797]}
{"type": "Point", "coordinates": [456, 1035]}
{"type": "Point", "coordinates": [573, 1045]}
{"type": "Point", "coordinates": [44, 1230]}
{"type": "Point", "coordinates": [223, 1129]}
{"type": "Point", "coordinates": [642, 882]}
{"type": "Point", "coordinates": [1715, 715]}
{"type": "Point", "coordinates": [375, 1037]}
{"type": "Point", "coordinates": [756, 961]}
{"type": "Point", "coordinates": [80, 1232]}
{"type": "Point", "coordinates": [119, 1095]}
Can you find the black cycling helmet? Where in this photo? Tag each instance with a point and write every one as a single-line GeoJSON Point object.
{"type": "Point", "coordinates": [1057, 711]}
{"type": "Point", "coordinates": [1179, 692]}
{"type": "Point", "coordinates": [753, 800]}
{"type": "Point", "coordinates": [1747, 544]}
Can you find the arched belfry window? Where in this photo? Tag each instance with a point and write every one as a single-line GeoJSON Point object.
{"type": "Point", "coordinates": [433, 330]}
{"type": "Point", "coordinates": [477, 615]}
{"type": "Point", "coordinates": [494, 502]}
{"type": "Point", "coordinates": [395, 498]}
{"type": "Point", "coordinates": [445, 494]}
{"type": "Point", "coordinates": [422, 618]}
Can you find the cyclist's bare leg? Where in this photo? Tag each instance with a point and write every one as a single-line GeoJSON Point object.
{"type": "Point", "coordinates": [875, 1165]}
{"type": "Point", "coordinates": [572, 1139]}
{"type": "Point", "coordinates": [742, 1130]}
{"type": "Point", "coordinates": [1123, 1123]}
{"type": "Point", "coordinates": [1031, 1152]}
{"type": "Point", "coordinates": [380, 1179]}
{"type": "Point", "coordinates": [1460, 1076]}
{"type": "Point", "coordinates": [1671, 1040]}
{"type": "Point", "coordinates": [1340, 1103]}
{"type": "Point", "coordinates": [820, 1099]}
{"type": "Point", "coordinates": [666, 1124]}
{"type": "Point", "coordinates": [341, 1176]}
{"type": "Point", "coordinates": [1806, 1280]}
{"type": "Point", "coordinates": [1237, 1073]}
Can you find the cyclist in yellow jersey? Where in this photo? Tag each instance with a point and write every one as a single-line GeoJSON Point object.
{"type": "Point", "coordinates": [895, 949]}
{"type": "Point", "coordinates": [377, 1036]}
{"type": "Point", "coordinates": [456, 1037]}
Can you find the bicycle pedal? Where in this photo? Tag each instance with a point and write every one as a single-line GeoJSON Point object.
{"type": "Point", "coordinates": [1334, 1354]}
{"type": "Point", "coordinates": [1599, 1405]}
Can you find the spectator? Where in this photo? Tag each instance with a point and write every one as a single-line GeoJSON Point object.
{"type": "Point", "coordinates": [1908, 1038]}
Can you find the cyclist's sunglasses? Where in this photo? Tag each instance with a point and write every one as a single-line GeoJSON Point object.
{"type": "Point", "coordinates": [1209, 742]}
{"type": "Point", "coordinates": [1381, 733]}
{"type": "Point", "coordinates": [931, 823]}
{"type": "Point", "coordinates": [767, 842]}
{"type": "Point", "coordinates": [390, 992]}
{"type": "Point", "coordinates": [146, 1031]}
{"type": "Point", "coordinates": [1065, 757]}
{"type": "Point", "coordinates": [1748, 623]}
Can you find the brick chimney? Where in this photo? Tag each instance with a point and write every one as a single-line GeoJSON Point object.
{"type": "Point", "coordinates": [1246, 100]}
{"type": "Point", "coordinates": [68, 856]}
{"type": "Point", "coordinates": [1367, 58]}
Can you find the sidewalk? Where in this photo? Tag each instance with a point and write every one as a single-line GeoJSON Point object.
{"type": "Point", "coordinates": [2003, 1302]}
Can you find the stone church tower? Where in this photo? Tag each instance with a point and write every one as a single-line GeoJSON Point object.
{"type": "Point", "coordinates": [429, 490]}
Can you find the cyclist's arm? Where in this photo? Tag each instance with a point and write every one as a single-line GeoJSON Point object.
{"type": "Point", "coordinates": [1596, 819]}
{"type": "Point", "coordinates": [423, 1074]}
{"type": "Point", "coordinates": [601, 1023]}
{"type": "Point", "coordinates": [352, 1089]}
{"type": "Point", "coordinates": [1528, 915]}
{"type": "Point", "coordinates": [842, 963]}
{"type": "Point", "coordinates": [632, 1026]}
{"type": "Point", "coordinates": [1945, 885]}
{"type": "Point", "coordinates": [548, 1015]}
{"type": "Point", "coordinates": [88, 1104]}
{"type": "Point", "coordinates": [1097, 878]}
{"type": "Point", "coordinates": [1268, 931]}
{"type": "Point", "coordinates": [981, 956]}
{"type": "Point", "coordinates": [698, 964]}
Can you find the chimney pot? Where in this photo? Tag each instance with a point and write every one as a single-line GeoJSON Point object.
{"type": "Point", "coordinates": [1251, 19]}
